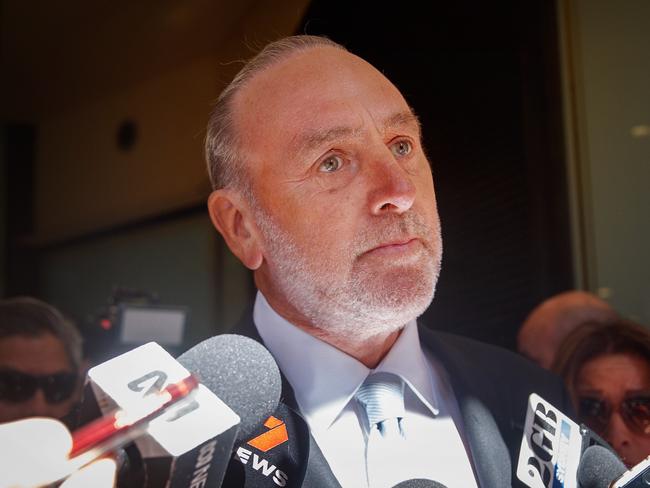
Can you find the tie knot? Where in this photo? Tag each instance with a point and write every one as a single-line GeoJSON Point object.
{"type": "Point", "coordinates": [382, 397]}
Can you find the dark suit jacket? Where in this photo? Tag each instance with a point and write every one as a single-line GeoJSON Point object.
{"type": "Point", "coordinates": [491, 386]}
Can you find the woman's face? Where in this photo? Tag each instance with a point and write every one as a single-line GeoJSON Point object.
{"type": "Point", "coordinates": [612, 395]}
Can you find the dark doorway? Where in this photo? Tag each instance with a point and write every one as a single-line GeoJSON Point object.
{"type": "Point", "coordinates": [20, 157]}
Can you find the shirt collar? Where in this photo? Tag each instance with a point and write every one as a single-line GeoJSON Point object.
{"type": "Point", "coordinates": [324, 378]}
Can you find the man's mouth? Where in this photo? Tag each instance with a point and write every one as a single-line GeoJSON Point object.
{"type": "Point", "coordinates": [394, 247]}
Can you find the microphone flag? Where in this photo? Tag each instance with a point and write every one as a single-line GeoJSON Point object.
{"type": "Point", "coordinates": [190, 443]}
{"type": "Point", "coordinates": [550, 447]}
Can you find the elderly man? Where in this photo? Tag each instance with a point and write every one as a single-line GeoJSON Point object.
{"type": "Point", "coordinates": [323, 189]}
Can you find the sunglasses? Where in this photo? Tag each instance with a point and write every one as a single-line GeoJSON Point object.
{"type": "Point", "coordinates": [16, 386]}
{"type": "Point", "coordinates": [635, 412]}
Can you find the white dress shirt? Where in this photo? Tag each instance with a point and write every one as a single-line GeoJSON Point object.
{"type": "Point", "coordinates": [325, 379]}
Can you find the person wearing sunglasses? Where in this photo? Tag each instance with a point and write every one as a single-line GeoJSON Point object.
{"type": "Point", "coordinates": [606, 368]}
{"type": "Point", "coordinates": [41, 368]}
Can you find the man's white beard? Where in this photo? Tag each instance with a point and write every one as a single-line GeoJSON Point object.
{"type": "Point", "coordinates": [361, 304]}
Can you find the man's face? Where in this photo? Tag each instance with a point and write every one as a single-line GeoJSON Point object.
{"type": "Point", "coordinates": [41, 356]}
{"type": "Point", "coordinates": [343, 192]}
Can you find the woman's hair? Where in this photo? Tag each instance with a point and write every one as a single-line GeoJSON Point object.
{"type": "Point", "coordinates": [591, 340]}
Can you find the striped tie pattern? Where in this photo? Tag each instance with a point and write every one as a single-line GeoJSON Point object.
{"type": "Point", "coordinates": [382, 399]}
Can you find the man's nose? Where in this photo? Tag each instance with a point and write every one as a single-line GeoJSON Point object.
{"type": "Point", "coordinates": [392, 189]}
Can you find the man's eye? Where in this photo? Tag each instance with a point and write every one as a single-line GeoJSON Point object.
{"type": "Point", "coordinates": [330, 164]}
{"type": "Point", "coordinates": [401, 148]}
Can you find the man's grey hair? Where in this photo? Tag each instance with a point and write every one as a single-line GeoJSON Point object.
{"type": "Point", "coordinates": [223, 154]}
{"type": "Point", "coordinates": [29, 317]}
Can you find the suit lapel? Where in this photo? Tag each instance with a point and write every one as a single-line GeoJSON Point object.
{"type": "Point", "coordinates": [476, 402]}
{"type": "Point", "coordinates": [310, 467]}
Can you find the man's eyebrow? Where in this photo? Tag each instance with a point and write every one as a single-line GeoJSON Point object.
{"type": "Point", "coordinates": [318, 138]}
{"type": "Point", "coordinates": [315, 139]}
{"type": "Point", "coordinates": [405, 118]}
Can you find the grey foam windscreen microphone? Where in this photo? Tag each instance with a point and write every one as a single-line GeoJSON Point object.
{"type": "Point", "coordinates": [599, 467]}
{"type": "Point", "coordinates": [190, 445]}
{"type": "Point", "coordinates": [419, 483]}
{"type": "Point", "coordinates": [241, 372]}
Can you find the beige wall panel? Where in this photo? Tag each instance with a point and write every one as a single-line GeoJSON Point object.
{"type": "Point", "coordinates": [85, 183]}
{"type": "Point", "coordinates": [607, 69]}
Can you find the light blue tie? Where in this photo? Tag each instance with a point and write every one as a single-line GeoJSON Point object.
{"type": "Point", "coordinates": [382, 398]}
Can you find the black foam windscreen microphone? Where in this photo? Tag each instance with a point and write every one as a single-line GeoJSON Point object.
{"type": "Point", "coordinates": [241, 372]}
{"type": "Point", "coordinates": [419, 483]}
{"type": "Point", "coordinates": [599, 467]}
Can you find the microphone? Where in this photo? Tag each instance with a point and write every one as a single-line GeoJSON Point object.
{"type": "Point", "coordinates": [241, 372]}
{"type": "Point", "coordinates": [189, 445]}
{"type": "Point", "coordinates": [419, 483]}
{"type": "Point", "coordinates": [637, 477]}
{"type": "Point", "coordinates": [601, 468]}
{"type": "Point", "coordinates": [552, 446]}
{"type": "Point", "coordinates": [598, 467]}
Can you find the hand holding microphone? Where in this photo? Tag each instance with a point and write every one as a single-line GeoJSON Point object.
{"type": "Point", "coordinates": [41, 451]}
{"type": "Point", "coordinates": [143, 395]}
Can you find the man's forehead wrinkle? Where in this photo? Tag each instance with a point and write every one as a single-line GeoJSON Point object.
{"type": "Point", "coordinates": [316, 138]}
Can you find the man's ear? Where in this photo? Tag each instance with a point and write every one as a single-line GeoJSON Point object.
{"type": "Point", "coordinates": [232, 217]}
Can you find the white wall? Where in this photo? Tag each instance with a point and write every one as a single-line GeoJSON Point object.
{"type": "Point", "coordinates": [606, 57]}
